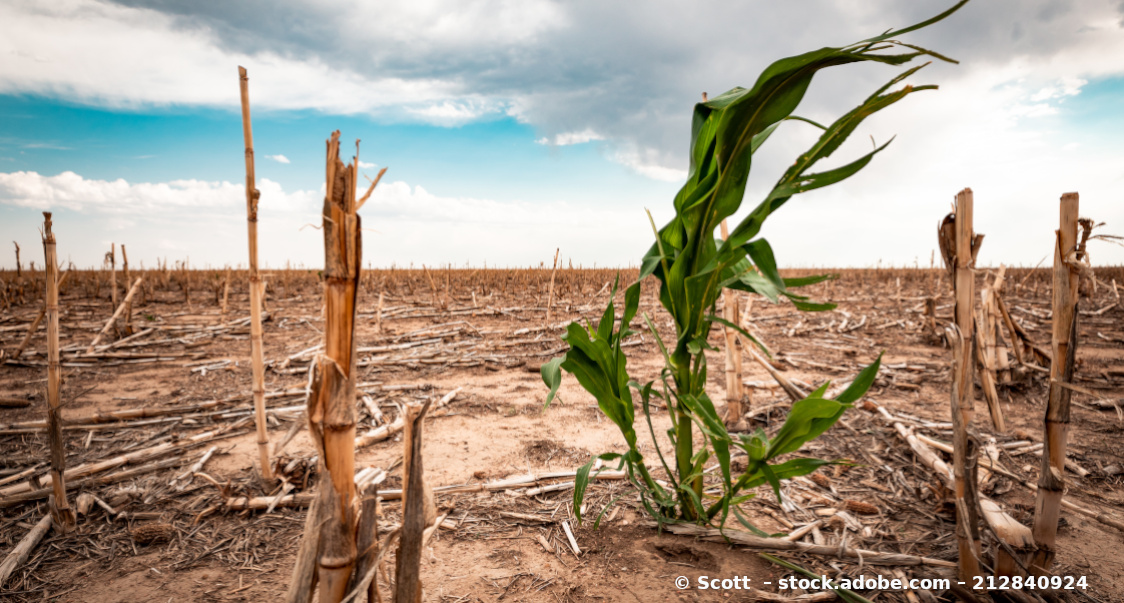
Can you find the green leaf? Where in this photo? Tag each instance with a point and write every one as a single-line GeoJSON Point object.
{"type": "Point", "coordinates": [659, 342]}
{"type": "Point", "coordinates": [914, 27]}
{"type": "Point", "coordinates": [605, 326]}
{"type": "Point", "coordinates": [807, 420]}
{"type": "Point", "coordinates": [862, 383]}
{"type": "Point", "coordinates": [745, 522]}
{"type": "Point", "coordinates": [597, 522]}
{"type": "Point", "coordinates": [762, 254]}
{"type": "Point", "coordinates": [552, 376]}
{"type": "Point", "coordinates": [645, 396]}
{"type": "Point", "coordinates": [756, 282]}
{"type": "Point", "coordinates": [786, 470]}
{"type": "Point", "coordinates": [581, 480]}
{"type": "Point", "coordinates": [631, 304]}
{"type": "Point", "coordinates": [756, 445]}
{"type": "Point", "coordinates": [743, 332]}
{"type": "Point", "coordinates": [737, 500]}
{"type": "Point", "coordinates": [806, 306]}
{"type": "Point", "coordinates": [698, 510]}
{"type": "Point", "coordinates": [703, 408]}
{"type": "Point", "coordinates": [767, 473]}
{"type": "Point", "coordinates": [804, 281]}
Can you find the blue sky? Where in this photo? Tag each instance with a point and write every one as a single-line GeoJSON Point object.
{"type": "Point", "coordinates": [514, 128]}
{"type": "Point", "coordinates": [50, 135]}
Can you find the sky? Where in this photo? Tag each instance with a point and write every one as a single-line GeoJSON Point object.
{"type": "Point", "coordinates": [511, 128]}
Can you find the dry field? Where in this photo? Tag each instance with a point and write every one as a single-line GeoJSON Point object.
{"type": "Point", "coordinates": [173, 386]}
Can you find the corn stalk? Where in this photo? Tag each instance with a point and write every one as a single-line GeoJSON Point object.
{"type": "Point", "coordinates": [1051, 481]}
{"type": "Point", "coordinates": [256, 287]}
{"type": "Point", "coordinates": [329, 550]}
{"type": "Point", "coordinates": [60, 509]}
{"type": "Point", "coordinates": [694, 267]}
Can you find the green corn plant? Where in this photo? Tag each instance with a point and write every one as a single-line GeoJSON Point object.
{"type": "Point", "coordinates": [693, 268]}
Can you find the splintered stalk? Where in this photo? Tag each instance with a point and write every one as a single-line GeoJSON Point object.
{"type": "Point", "coordinates": [330, 540]}
{"type": "Point", "coordinates": [256, 288]}
{"type": "Point", "coordinates": [963, 288]}
{"type": "Point", "coordinates": [962, 409]}
{"type": "Point", "coordinates": [331, 409]}
{"type": "Point", "coordinates": [1051, 481]}
{"type": "Point", "coordinates": [416, 503]}
{"type": "Point", "coordinates": [964, 462]}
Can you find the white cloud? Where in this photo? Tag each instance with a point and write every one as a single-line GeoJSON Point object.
{"type": "Point", "coordinates": [413, 224]}
{"type": "Point", "coordinates": [278, 158]}
{"type": "Point", "coordinates": [569, 138]}
{"type": "Point", "coordinates": [97, 52]}
{"type": "Point", "coordinates": [451, 113]}
{"type": "Point", "coordinates": [70, 191]}
{"type": "Point", "coordinates": [402, 223]}
{"type": "Point", "coordinates": [1066, 86]}
{"type": "Point", "coordinates": [368, 165]}
{"type": "Point", "coordinates": [648, 163]}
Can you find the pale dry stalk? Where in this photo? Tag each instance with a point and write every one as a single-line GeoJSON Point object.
{"type": "Point", "coordinates": [734, 388]}
{"type": "Point", "coordinates": [963, 288]}
{"type": "Point", "coordinates": [128, 330]}
{"type": "Point", "coordinates": [418, 511]}
{"type": "Point", "coordinates": [60, 509]}
{"type": "Point", "coordinates": [368, 541]}
{"type": "Point", "coordinates": [34, 326]}
{"type": "Point", "coordinates": [996, 326]}
{"type": "Point", "coordinates": [225, 291]}
{"type": "Point", "coordinates": [964, 451]}
{"type": "Point", "coordinates": [550, 294]}
{"type": "Point", "coordinates": [960, 254]}
{"type": "Point", "coordinates": [433, 289]}
{"type": "Point", "coordinates": [22, 551]}
{"type": "Point", "coordinates": [1051, 481]}
{"type": "Point", "coordinates": [256, 361]}
{"type": "Point", "coordinates": [985, 359]}
{"type": "Point", "coordinates": [378, 314]}
{"type": "Point", "coordinates": [113, 276]}
{"type": "Point", "coordinates": [303, 580]}
{"type": "Point", "coordinates": [117, 314]}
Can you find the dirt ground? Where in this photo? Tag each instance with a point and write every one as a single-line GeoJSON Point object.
{"type": "Point", "coordinates": [489, 343]}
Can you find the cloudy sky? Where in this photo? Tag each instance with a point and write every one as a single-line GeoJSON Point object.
{"type": "Point", "coordinates": [514, 127]}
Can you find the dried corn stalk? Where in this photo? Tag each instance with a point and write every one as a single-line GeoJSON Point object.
{"type": "Point", "coordinates": [257, 289]}
{"type": "Point", "coordinates": [60, 509]}
{"type": "Point", "coordinates": [959, 246]}
{"type": "Point", "coordinates": [734, 389]}
{"type": "Point", "coordinates": [332, 395]}
{"type": "Point", "coordinates": [1051, 481]}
